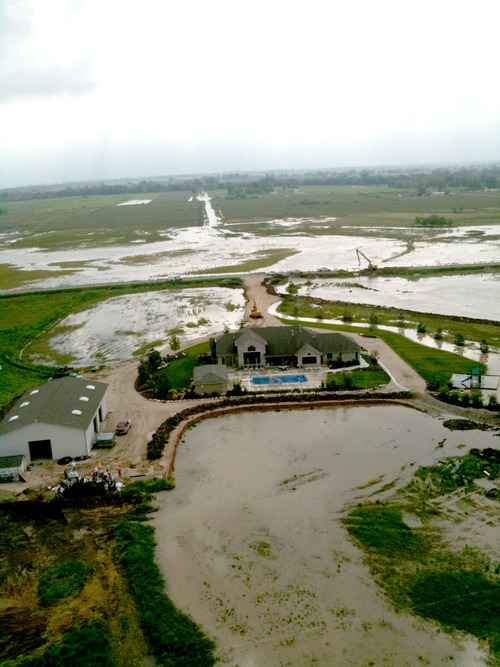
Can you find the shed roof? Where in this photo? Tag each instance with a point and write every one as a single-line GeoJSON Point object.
{"type": "Point", "coordinates": [210, 374]}
{"type": "Point", "coordinates": [67, 402]}
{"type": "Point", "coordinates": [11, 461]}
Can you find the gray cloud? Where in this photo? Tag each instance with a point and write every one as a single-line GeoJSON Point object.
{"type": "Point", "coordinates": [45, 80]}
{"type": "Point", "coordinates": [26, 71]}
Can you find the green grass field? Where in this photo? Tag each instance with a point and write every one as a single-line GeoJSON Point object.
{"type": "Point", "coordinates": [372, 206]}
{"type": "Point", "coordinates": [310, 307]}
{"type": "Point", "coordinates": [97, 221]}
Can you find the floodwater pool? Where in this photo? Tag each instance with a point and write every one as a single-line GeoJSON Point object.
{"type": "Point", "coordinates": [279, 379]}
{"type": "Point", "coordinates": [253, 547]}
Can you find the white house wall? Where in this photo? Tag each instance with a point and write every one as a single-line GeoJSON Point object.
{"type": "Point", "coordinates": [65, 441]}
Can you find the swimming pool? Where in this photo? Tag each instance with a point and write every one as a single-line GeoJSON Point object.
{"type": "Point", "coordinates": [279, 379]}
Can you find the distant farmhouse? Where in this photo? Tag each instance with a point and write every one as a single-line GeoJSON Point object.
{"type": "Point", "coordinates": [282, 346]}
{"type": "Point", "coordinates": [54, 420]}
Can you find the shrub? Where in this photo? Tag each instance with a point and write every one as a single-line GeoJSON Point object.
{"type": "Point", "coordinates": [476, 401]}
{"type": "Point", "coordinates": [61, 581]}
{"type": "Point", "coordinates": [85, 647]}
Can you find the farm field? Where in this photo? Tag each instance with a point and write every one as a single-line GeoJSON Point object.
{"type": "Point", "coordinates": [92, 240]}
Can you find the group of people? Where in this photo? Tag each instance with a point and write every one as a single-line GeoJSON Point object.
{"type": "Point", "coordinates": [99, 476]}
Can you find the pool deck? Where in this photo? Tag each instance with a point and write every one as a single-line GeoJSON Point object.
{"type": "Point", "coordinates": [315, 376]}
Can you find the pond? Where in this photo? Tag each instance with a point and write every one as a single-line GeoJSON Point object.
{"type": "Point", "coordinates": [252, 544]}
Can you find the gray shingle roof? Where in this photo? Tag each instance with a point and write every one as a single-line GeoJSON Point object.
{"type": "Point", "coordinates": [286, 341]}
{"type": "Point", "coordinates": [210, 374]}
{"type": "Point", "coordinates": [68, 401]}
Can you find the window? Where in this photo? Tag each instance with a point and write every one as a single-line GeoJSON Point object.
{"type": "Point", "coordinates": [76, 412]}
{"type": "Point", "coordinates": [84, 398]}
{"type": "Point", "coordinates": [23, 405]}
{"type": "Point", "coordinates": [13, 418]}
{"type": "Point", "coordinates": [35, 391]}
{"type": "Point", "coordinates": [90, 386]}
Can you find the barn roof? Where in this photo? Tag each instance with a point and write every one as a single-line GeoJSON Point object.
{"type": "Point", "coordinates": [68, 401]}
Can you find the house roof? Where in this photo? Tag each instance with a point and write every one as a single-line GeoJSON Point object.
{"type": "Point", "coordinates": [66, 402]}
{"type": "Point", "coordinates": [210, 374]}
{"type": "Point", "coordinates": [286, 341]}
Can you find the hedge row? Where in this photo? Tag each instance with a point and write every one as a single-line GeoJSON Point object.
{"type": "Point", "coordinates": [174, 638]}
{"type": "Point", "coordinates": [156, 445]}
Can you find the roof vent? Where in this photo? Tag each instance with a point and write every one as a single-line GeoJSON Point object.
{"type": "Point", "coordinates": [13, 417]}
{"type": "Point", "coordinates": [90, 386]}
{"type": "Point", "coordinates": [76, 412]}
{"type": "Point", "coordinates": [84, 398]}
{"type": "Point", "coordinates": [23, 405]}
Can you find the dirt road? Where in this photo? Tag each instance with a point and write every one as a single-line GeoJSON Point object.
{"type": "Point", "coordinates": [258, 294]}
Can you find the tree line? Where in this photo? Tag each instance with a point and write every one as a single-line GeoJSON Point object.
{"type": "Point", "coordinates": [240, 185]}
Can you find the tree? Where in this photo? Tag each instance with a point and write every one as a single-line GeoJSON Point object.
{"type": "Point", "coordinates": [421, 328]}
{"type": "Point", "coordinates": [373, 320]}
{"type": "Point", "coordinates": [154, 360]}
{"type": "Point", "coordinates": [174, 342]}
{"type": "Point", "coordinates": [161, 385]}
{"type": "Point", "coordinates": [458, 340]}
{"type": "Point", "coordinates": [484, 347]}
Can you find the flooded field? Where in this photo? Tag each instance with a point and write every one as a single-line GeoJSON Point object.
{"type": "Point", "coordinates": [253, 548]}
{"type": "Point", "coordinates": [216, 246]}
{"type": "Point", "coordinates": [466, 295]}
{"type": "Point", "coordinates": [122, 327]}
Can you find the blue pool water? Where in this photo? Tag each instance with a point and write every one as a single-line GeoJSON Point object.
{"type": "Point", "coordinates": [279, 379]}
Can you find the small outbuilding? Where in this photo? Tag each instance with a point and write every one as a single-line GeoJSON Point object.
{"type": "Point", "coordinates": [12, 468]}
{"type": "Point", "coordinates": [57, 419]}
{"type": "Point", "coordinates": [210, 379]}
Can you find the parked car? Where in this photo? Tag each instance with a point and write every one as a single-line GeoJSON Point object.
{"type": "Point", "coordinates": [123, 427]}
{"type": "Point", "coordinates": [104, 440]}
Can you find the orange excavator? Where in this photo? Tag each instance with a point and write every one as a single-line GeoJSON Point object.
{"type": "Point", "coordinates": [255, 314]}
{"type": "Point", "coordinates": [371, 266]}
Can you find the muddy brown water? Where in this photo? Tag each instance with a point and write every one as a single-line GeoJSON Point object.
{"type": "Point", "coordinates": [252, 545]}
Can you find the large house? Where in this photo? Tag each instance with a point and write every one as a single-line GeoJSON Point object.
{"type": "Point", "coordinates": [57, 419]}
{"type": "Point", "coordinates": [282, 346]}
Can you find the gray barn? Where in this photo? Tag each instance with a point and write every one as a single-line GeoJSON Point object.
{"type": "Point", "coordinates": [54, 420]}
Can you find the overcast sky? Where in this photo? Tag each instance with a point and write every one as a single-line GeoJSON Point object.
{"type": "Point", "coordinates": [94, 89]}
